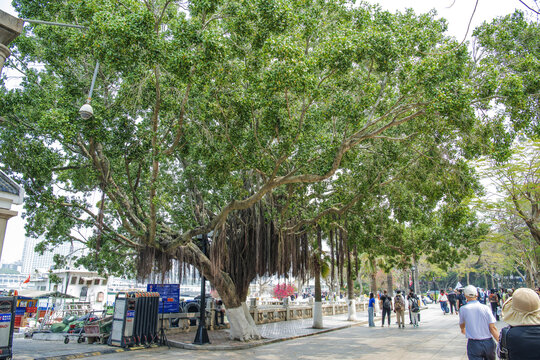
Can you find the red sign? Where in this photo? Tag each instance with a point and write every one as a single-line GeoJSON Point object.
{"type": "Point", "coordinates": [31, 309]}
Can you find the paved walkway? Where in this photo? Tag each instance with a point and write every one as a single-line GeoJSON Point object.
{"type": "Point", "coordinates": [437, 337]}
{"type": "Point", "coordinates": [26, 349]}
{"type": "Point", "coordinates": [272, 332]}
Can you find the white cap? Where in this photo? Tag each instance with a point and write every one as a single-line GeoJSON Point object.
{"type": "Point", "coordinates": [470, 290]}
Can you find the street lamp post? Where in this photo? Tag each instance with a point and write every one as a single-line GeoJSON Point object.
{"type": "Point", "coordinates": [201, 337]}
{"type": "Point", "coordinates": [86, 110]}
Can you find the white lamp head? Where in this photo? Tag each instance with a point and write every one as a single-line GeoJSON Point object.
{"type": "Point", "coordinates": [86, 111]}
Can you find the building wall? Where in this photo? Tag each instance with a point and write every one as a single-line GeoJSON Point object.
{"type": "Point", "coordinates": [32, 261]}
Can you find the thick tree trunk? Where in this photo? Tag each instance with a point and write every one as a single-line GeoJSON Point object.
{"type": "Point", "coordinates": [530, 278]}
{"type": "Point", "coordinates": [416, 278]}
{"type": "Point", "coordinates": [351, 302]}
{"type": "Point", "coordinates": [468, 277]}
{"type": "Point", "coordinates": [486, 285]}
{"type": "Point", "coordinates": [317, 308]}
{"type": "Point", "coordinates": [373, 283]}
{"type": "Point", "coordinates": [373, 276]}
{"type": "Point", "coordinates": [242, 325]}
{"type": "Point", "coordinates": [406, 282]}
{"type": "Point", "coordinates": [390, 281]}
{"type": "Point", "coordinates": [492, 281]}
{"type": "Point", "coordinates": [534, 229]}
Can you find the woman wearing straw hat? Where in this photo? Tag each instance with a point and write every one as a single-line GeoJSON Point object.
{"type": "Point", "coordinates": [521, 340]}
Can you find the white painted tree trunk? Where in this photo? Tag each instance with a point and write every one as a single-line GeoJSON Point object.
{"type": "Point", "coordinates": [243, 326]}
{"type": "Point", "coordinates": [352, 310]}
{"type": "Point", "coordinates": [317, 315]}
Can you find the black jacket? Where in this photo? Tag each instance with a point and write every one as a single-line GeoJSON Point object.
{"type": "Point", "coordinates": [523, 342]}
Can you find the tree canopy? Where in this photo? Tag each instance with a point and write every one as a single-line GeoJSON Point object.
{"type": "Point", "coordinates": [247, 119]}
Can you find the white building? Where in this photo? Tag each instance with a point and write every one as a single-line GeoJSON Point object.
{"type": "Point", "coordinates": [86, 286]}
{"type": "Point", "coordinates": [11, 281]}
{"type": "Point", "coordinates": [34, 262]}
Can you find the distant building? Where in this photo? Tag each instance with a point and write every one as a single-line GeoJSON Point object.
{"type": "Point", "coordinates": [33, 261]}
{"type": "Point", "coordinates": [11, 281]}
{"type": "Point", "coordinates": [11, 268]}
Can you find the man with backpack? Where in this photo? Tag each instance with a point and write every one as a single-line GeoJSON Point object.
{"type": "Point", "coordinates": [386, 306]}
{"type": "Point", "coordinates": [399, 309]}
{"type": "Point", "coordinates": [414, 308]}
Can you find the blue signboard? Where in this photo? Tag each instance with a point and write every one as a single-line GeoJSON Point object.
{"type": "Point", "coordinates": [5, 318]}
{"type": "Point", "coordinates": [169, 297]}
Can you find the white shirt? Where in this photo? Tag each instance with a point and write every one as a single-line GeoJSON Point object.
{"type": "Point", "coordinates": [443, 297]}
{"type": "Point", "coordinates": [477, 318]}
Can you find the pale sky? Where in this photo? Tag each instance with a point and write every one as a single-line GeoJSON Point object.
{"type": "Point", "coordinates": [457, 12]}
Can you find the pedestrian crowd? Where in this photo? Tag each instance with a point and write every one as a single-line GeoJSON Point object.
{"type": "Point", "coordinates": [398, 305]}
{"type": "Point", "coordinates": [478, 311]}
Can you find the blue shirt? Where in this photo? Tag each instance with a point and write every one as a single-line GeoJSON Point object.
{"type": "Point", "coordinates": [371, 302]}
{"type": "Point", "coordinates": [477, 318]}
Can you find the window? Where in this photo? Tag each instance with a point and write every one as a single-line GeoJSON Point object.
{"type": "Point", "coordinates": [88, 282]}
{"type": "Point", "coordinates": [104, 282]}
{"type": "Point", "coordinates": [81, 281]}
{"type": "Point", "coordinates": [84, 292]}
{"type": "Point", "coordinates": [96, 281]}
{"type": "Point", "coordinates": [73, 280]}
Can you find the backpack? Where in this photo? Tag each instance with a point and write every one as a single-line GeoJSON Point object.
{"type": "Point", "coordinates": [502, 350]}
{"type": "Point", "coordinates": [414, 305]}
{"type": "Point", "coordinates": [386, 303]}
{"type": "Point", "coordinates": [399, 304]}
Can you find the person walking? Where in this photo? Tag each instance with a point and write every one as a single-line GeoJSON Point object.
{"type": "Point", "coordinates": [371, 310]}
{"type": "Point", "coordinates": [409, 297]}
{"type": "Point", "coordinates": [414, 309]}
{"type": "Point", "coordinates": [494, 300]}
{"type": "Point", "coordinates": [399, 309]}
{"type": "Point", "coordinates": [443, 301]}
{"type": "Point", "coordinates": [386, 306]}
{"type": "Point", "coordinates": [461, 301]}
{"type": "Point", "coordinates": [482, 296]}
{"type": "Point", "coordinates": [452, 299]}
{"type": "Point", "coordinates": [477, 323]}
{"type": "Point", "coordinates": [521, 339]}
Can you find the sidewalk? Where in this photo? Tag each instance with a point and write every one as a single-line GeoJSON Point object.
{"type": "Point", "coordinates": [271, 333]}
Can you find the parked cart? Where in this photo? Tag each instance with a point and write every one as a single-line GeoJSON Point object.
{"type": "Point", "coordinates": [98, 331]}
{"type": "Point", "coordinates": [78, 328]}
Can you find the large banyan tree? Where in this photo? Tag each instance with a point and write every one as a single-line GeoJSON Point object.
{"type": "Point", "coordinates": [211, 117]}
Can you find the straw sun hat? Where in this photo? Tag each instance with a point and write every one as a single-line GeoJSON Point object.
{"type": "Point", "coordinates": [523, 308]}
